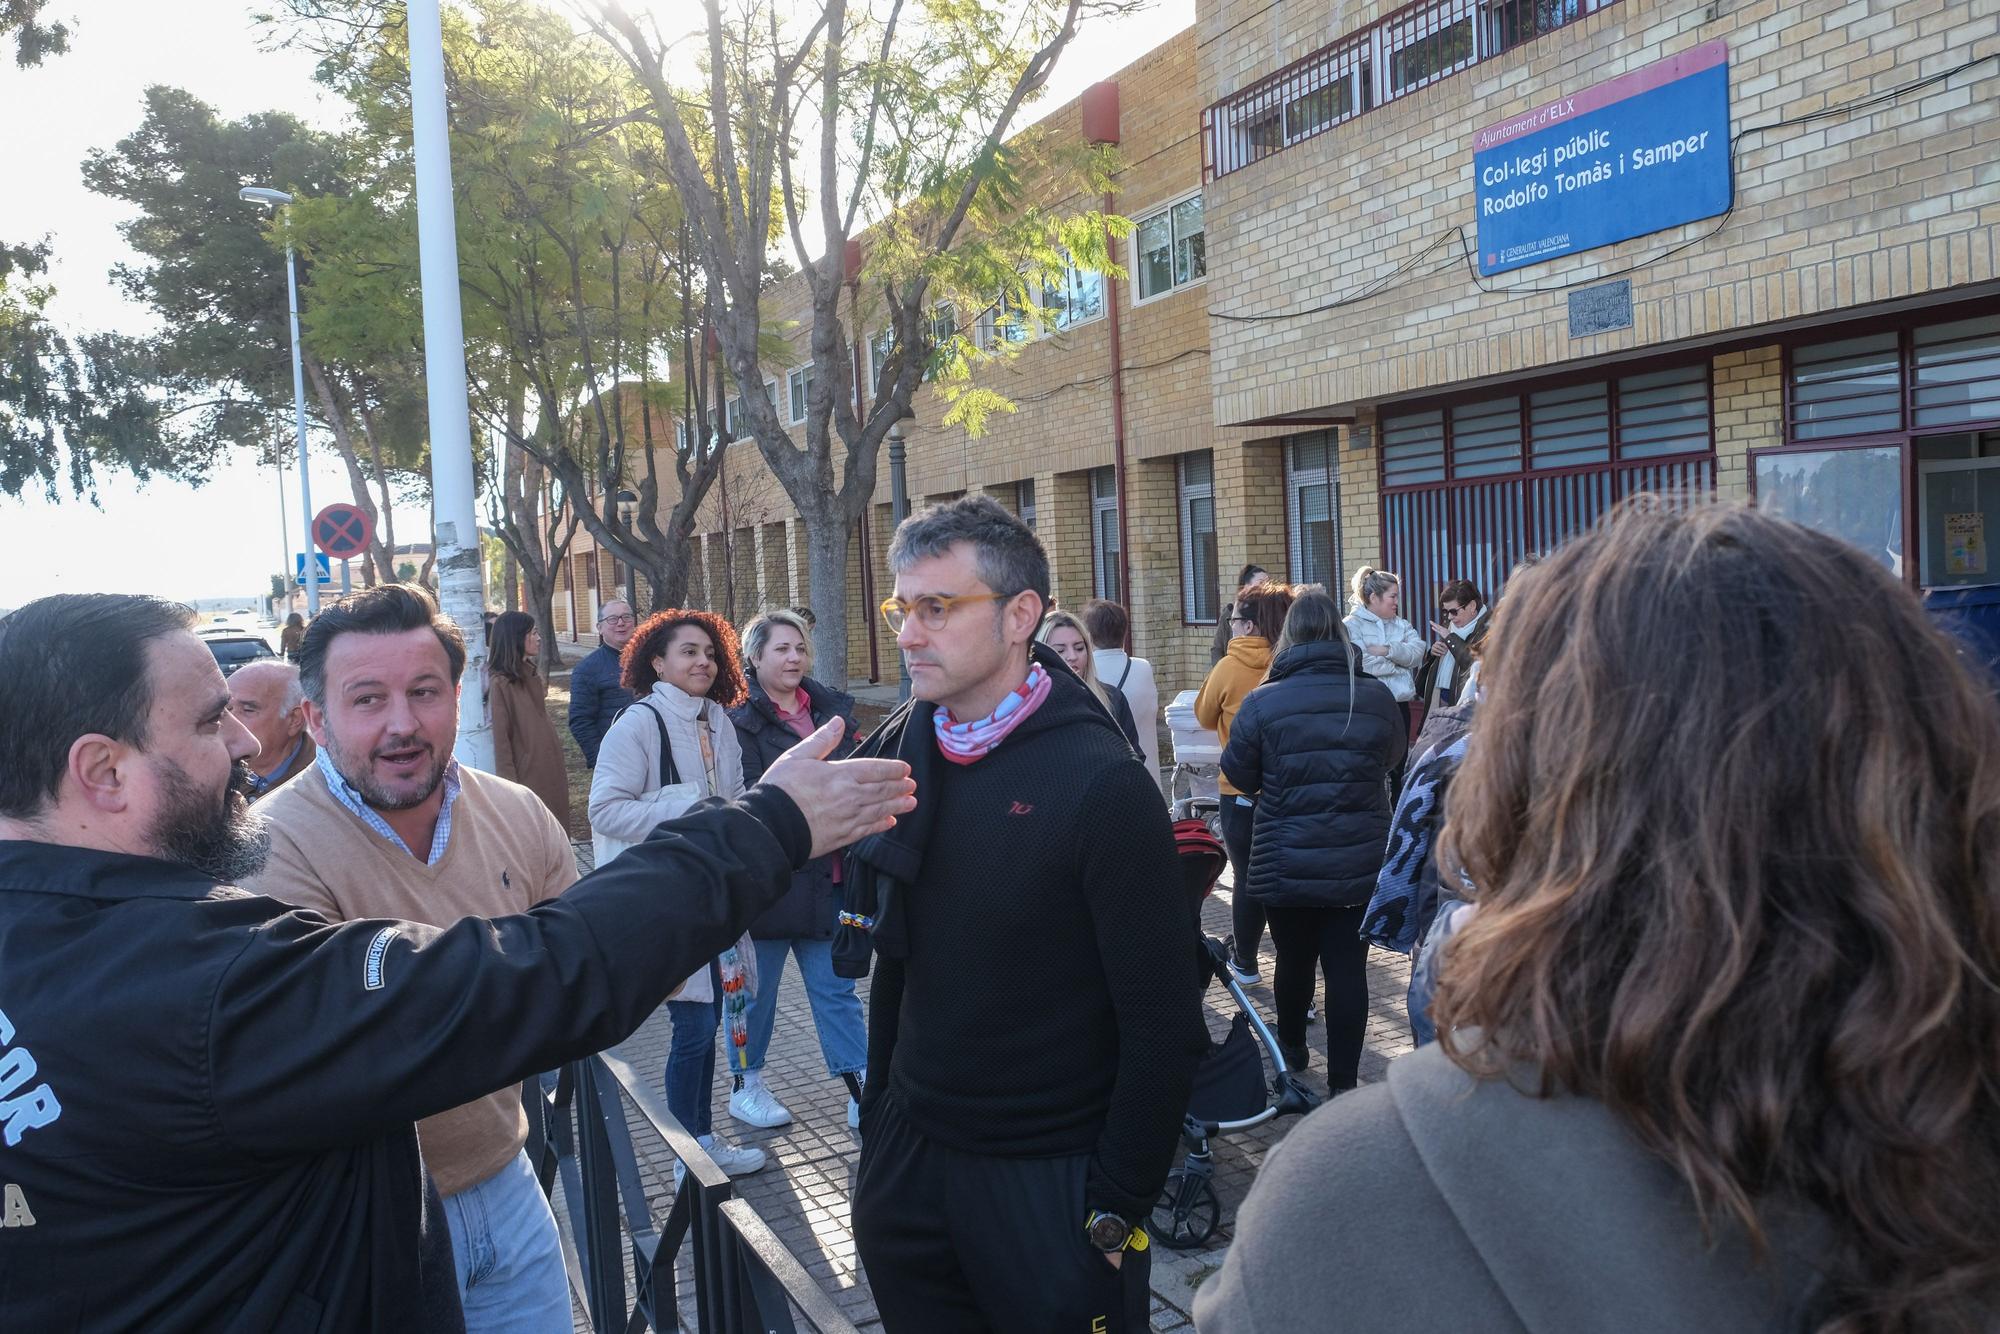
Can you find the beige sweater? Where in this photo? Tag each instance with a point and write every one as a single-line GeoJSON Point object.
{"type": "Point", "coordinates": [506, 855]}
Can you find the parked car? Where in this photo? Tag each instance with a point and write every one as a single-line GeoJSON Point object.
{"type": "Point", "coordinates": [234, 649]}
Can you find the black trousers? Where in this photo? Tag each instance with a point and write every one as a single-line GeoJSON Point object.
{"type": "Point", "coordinates": [1329, 938]}
{"type": "Point", "coordinates": [1246, 915]}
{"type": "Point", "coordinates": [955, 1243]}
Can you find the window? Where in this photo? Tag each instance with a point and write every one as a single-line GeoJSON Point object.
{"type": "Point", "coordinates": [1024, 501]}
{"type": "Point", "coordinates": [1200, 580]}
{"type": "Point", "coordinates": [1172, 248]}
{"type": "Point", "coordinates": [1853, 494]}
{"type": "Point", "coordinates": [879, 348]}
{"type": "Point", "coordinates": [1958, 504]}
{"type": "Point", "coordinates": [1311, 491]}
{"type": "Point", "coordinates": [944, 323]}
{"type": "Point", "coordinates": [1413, 448]}
{"type": "Point", "coordinates": [1104, 533]}
{"type": "Point", "coordinates": [798, 391]}
{"type": "Point", "coordinates": [1427, 46]}
{"type": "Point", "coordinates": [1570, 426]}
{"type": "Point", "coordinates": [1412, 46]}
{"type": "Point", "coordinates": [733, 425]}
{"type": "Point", "coordinates": [1076, 298]}
{"type": "Point", "coordinates": [1663, 413]}
{"type": "Point", "coordinates": [1955, 373]}
{"type": "Point", "coordinates": [1486, 438]}
{"type": "Point", "coordinates": [1850, 387]}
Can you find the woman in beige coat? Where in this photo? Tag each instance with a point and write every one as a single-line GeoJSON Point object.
{"type": "Point", "coordinates": [674, 747]}
{"type": "Point", "coordinates": [526, 748]}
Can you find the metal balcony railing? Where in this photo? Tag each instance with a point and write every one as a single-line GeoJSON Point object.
{"type": "Point", "coordinates": [621, 1266]}
{"type": "Point", "coordinates": [1415, 46]}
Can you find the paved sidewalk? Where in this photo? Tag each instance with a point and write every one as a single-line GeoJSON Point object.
{"type": "Point", "coordinates": [803, 1193]}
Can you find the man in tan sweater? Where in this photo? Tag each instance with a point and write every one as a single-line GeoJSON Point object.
{"type": "Point", "coordinates": [387, 824]}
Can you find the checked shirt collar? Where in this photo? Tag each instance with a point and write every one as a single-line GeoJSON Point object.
{"type": "Point", "coordinates": [345, 794]}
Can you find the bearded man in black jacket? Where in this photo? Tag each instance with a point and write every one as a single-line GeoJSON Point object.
{"type": "Point", "coordinates": [207, 1100]}
{"type": "Point", "coordinates": [1035, 1017]}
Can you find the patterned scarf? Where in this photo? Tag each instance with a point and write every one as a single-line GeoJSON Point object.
{"type": "Point", "coordinates": [962, 743]}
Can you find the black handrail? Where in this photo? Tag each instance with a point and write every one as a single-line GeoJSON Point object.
{"type": "Point", "coordinates": [745, 1280]}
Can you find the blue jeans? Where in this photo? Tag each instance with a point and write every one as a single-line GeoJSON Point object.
{"type": "Point", "coordinates": [503, 1244]}
{"type": "Point", "coordinates": [690, 1077]}
{"type": "Point", "coordinates": [843, 1033]}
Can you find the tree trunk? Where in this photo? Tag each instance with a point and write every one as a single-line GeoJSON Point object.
{"type": "Point", "coordinates": [827, 536]}
{"type": "Point", "coordinates": [510, 578]}
{"type": "Point", "coordinates": [541, 592]}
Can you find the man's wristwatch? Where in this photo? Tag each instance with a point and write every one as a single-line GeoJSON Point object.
{"type": "Point", "coordinates": [1107, 1232]}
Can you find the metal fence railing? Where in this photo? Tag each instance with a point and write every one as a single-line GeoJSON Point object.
{"type": "Point", "coordinates": [1415, 46]}
{"type": "Point", "coordinates": [621, 1265]}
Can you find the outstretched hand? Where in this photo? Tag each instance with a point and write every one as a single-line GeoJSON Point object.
{"type": "Point", "coordinates": [842, 800]}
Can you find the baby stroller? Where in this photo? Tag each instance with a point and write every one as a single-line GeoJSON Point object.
{"type": "Point", "coordinates": [1230, 1091]}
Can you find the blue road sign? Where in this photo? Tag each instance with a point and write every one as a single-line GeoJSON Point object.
{"type": "Point", "coordinates": [320, 561]}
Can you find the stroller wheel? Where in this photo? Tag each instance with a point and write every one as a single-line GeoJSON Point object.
{"type": "Point", "coordinates": [1189, 1211]}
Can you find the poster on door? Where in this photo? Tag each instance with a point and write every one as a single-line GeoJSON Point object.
{"type": "Point", "coordinates": [1965, 543]}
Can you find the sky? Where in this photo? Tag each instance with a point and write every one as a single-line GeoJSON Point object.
{"type": "Point", "coordinates": [223, 539]}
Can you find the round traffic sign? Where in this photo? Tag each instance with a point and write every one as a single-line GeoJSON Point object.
{"type": "Point", "coordinates": [343, 531]}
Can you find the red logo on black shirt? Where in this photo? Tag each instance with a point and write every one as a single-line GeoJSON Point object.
{"type": "Point", "coordinates": [1020, 808]}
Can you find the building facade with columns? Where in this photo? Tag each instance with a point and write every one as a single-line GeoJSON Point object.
{"type": "Point", "coordinates": [1430, 287]}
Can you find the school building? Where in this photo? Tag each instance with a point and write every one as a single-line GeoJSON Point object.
{"type": "Point", "coordinates": [1431, 287]}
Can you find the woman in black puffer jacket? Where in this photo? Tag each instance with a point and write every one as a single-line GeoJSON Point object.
{"type": "Point", "coordinates": [1316, 743]}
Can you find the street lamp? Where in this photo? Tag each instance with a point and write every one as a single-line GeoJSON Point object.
{"type": "Point", "coordinates": [628, 509]}
{"type": "Point", "coordinates": [309, 575]}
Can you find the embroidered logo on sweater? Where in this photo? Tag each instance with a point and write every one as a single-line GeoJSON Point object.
{"type": "Point", "coordinates": [371, 974]}
{"type": "Point", "coordinates": [1020, 808]}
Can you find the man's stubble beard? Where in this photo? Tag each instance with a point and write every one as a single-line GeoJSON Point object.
{"type": "Point", "coordinates": [227, 842]}
{"type": "Point", "coordinates": [361, 778]}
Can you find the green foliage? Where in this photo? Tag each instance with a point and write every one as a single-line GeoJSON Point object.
{"type": "Point", "coordinates": [35, 38]}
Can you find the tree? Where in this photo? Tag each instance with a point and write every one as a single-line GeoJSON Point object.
{"type": "Point", "coordinates": [35, 38]}
{"type": "Point", "coordinates": [903, 120]}
{"type": "Point", "coordinates": [69, 406]}
{"type": "Point", "coordinates": [212, 269]}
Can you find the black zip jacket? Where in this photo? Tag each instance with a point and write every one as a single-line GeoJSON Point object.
{"type": "Point", "coordinates": [1047, 1002]}
{"type": "Point", "coordinates": [812, 910]}
{"type": "Point", "coordinates": [207, 1099]}
{"type": "Point", "coordinates": [1315, 745]}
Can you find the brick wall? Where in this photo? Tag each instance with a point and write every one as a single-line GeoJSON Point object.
{"type": "Point", "coordinates": [1902, 202]}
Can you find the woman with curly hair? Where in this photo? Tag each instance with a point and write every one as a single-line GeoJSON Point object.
{"type": "Point", "coordinates": [1717, 1049]}
{"type": "Point", "coordinates": [674, 747]}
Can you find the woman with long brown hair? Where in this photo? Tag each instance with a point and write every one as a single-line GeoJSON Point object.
{"type": "Point", "coordinates": [526, 748]}
{"type": "Point", "coordinates": [1718, 1050]}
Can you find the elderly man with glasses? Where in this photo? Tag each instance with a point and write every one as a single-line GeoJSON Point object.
{"type": "Point", "coordinates": [596, 696]}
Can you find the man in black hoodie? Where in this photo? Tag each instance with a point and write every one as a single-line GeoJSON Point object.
{"type": "Point", "coordinates": [1035, 1017]}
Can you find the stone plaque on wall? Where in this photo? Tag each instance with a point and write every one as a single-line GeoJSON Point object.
{"type": "Point", "coordinates": [1600, 309]}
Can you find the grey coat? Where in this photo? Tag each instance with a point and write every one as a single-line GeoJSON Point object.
{"type": "Point", "coordinates": [1438, 1202]}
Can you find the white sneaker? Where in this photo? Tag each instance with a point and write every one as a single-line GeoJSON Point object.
{"type": "Point", "coordinates": [1244, 976]}
{"type": "Point", "coordinates": [853, 1114]}
{"type": "Point", "coordinates": [735, 1160]}
{"type": "Point", "coordinates": [754, 1105]}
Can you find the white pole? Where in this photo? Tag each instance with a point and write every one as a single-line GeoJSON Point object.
{"type": "Point", "coordinates": [299, 411]}
{"type": "Point", "coordinates": [284, 544]}
{"type": "Point", "coordinates": [455, 522]}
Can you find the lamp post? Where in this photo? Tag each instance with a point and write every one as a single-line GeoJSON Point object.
{"type": "Point", "coordinates": [263, 194]}
{"type": "Point", "coordinates": [628, 509]}
{"type": "Point", "coordinates": [455, 520]}
{"type": "Point", "coordinates": [899, 510]}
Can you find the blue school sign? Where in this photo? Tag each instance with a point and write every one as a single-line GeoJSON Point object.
{"type": "Point", "coordinates": [1646, 151]}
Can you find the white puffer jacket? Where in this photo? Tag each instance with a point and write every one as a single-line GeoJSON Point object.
{"type": "Point", "coordinates": [627, 800]}
{"type": "Point", "coordinates": [1406, 651]}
